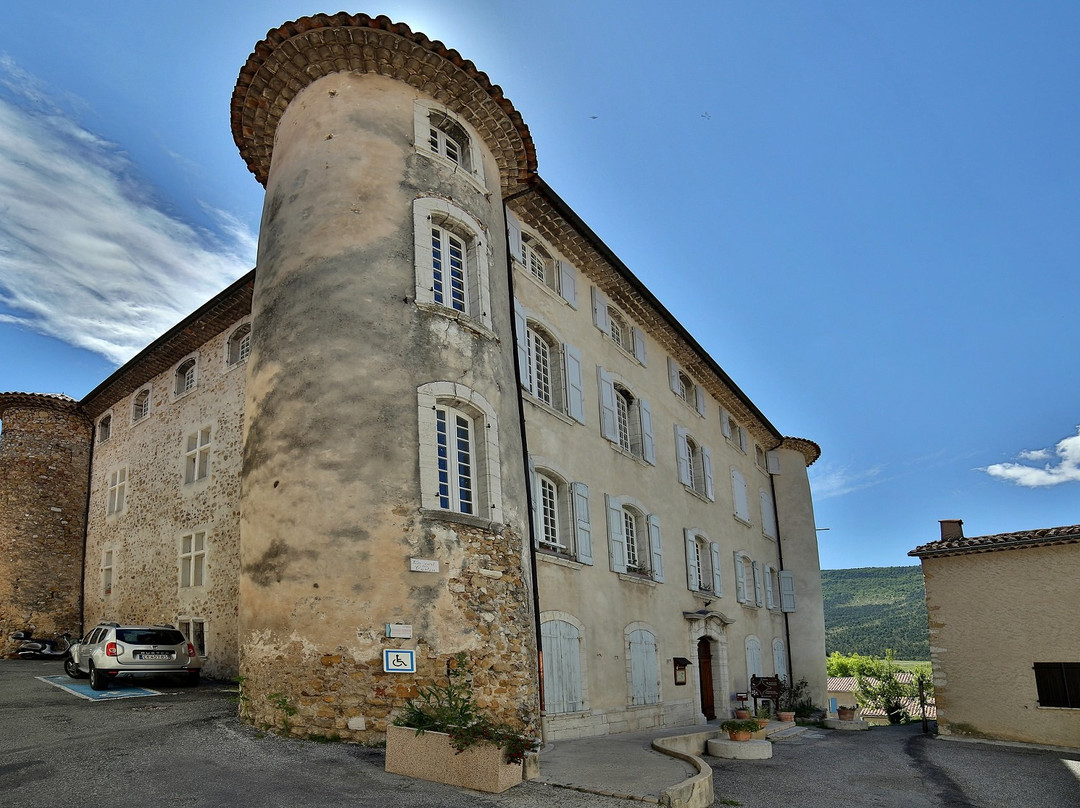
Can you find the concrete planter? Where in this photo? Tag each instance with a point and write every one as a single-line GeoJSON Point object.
{"type": "Point", "coordinates": [845, 714]}
{"type": "Point", "coordinates": [431, 757]}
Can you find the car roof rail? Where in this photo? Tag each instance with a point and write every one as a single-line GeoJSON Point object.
{"type": "Point", "coordinates": [163, 625]}
{"type": "Point", "coordinates": [109, 623]}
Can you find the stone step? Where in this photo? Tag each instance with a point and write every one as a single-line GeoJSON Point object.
{"type": "Point", "coordinates": [786, 731]}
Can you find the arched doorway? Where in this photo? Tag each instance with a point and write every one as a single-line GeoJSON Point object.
{"type": "Point", "coordinates": [704, 659]}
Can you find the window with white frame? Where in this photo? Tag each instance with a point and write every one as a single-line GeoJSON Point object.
{"type": "Point", "coordinates": [771, 585]}
{"type": "Point", "coordinates": [452, 262]}
{"type": "Point", "coordinates": [613, 323]}
{"type": "Point", "coordinates": [104, 428]}
{"type": "Point", "coordinates": [448, 139]}
{"type": "Point", "coordinates": [561, 642]}
{"type": "Point", "coordinates": [754, 665]}
{"type": "Point", "coordinates": [194, 629]}
{"type": "Point", "coordinates": [550, 370]}
{"type": "Point", "coordinates": [239, 347]}
{"type": "Point", "coordinates": [551, 508]}
{"type": "Point", "coordinates": [702, 563]}
{"type": "Point", "coordinates": [625, 419]}
{"type": "Point", "coordinates": [193, 559]}
{"type": "Point", "coordinates": [739, 495]}
{"type": "Point", "coordinates": [185, 377]}
{"type": "Point", "coordinates": [768, 514]}
{"type": "Point", "coordinates": [106, 572]}
{"type": "Point", "coordinates": [780, 660]}
{"type": "Point", "coordinates": [749, 588]}
{"type": "Point", "coordinates": [543, 382]}
{"type": "Point", "coordinates": [459, 452]}
{"type": "Point", "coordinates": [634, 541]}
{"type": "Point", "coordinates": [694, 464]}
{"type": "Point", "coordinates": [140, 406]}
{"type": "Point", "coordinates": [561, 516]}
{"type": "Point", "coordinates": [643, 661]}
{"type": "Point", "coordinates": [735, 434]}
{"type": "Point", "coordinates": [116, 500]}
{"type": "Point", "coordinates": [539, 263]}
{"type": "Point", "coordinates": [532, 256]}
{"type": "Point", "coordinates": [684, 387]}
{"type": "Point", "coordinates": [197, 456]}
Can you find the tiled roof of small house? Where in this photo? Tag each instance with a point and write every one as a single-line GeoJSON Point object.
{"type": "Point", "coordinates": [846, 684]}
{"type": "Point", "coordinates": [1041, 537]}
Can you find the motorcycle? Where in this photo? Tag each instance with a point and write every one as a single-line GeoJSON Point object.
{"type": "Point", "coordinates": [35, 648]}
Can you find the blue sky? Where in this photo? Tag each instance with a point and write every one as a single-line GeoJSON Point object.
{"type": "Point", "coordinates": [866, 212]}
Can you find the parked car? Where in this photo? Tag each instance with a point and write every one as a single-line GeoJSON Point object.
{"type": "Point", "coordinates": [110, 651]}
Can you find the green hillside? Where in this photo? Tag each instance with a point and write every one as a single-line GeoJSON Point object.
{"type": "Point", "coordinates": [870, 609]}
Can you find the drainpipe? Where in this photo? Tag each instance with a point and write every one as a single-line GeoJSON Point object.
{"type": "Point", "coordinates": [525, 449]}
{"type": "Point", "coordinates": [780, 560]}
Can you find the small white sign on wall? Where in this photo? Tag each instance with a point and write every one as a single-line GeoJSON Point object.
{"type": "Point", "coordinates": [400, 630]}
{"type": "Point", "coordinates": [424, 564]}
{"type": "Point", "coordinates": [398, 661]}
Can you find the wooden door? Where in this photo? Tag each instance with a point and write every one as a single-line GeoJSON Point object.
{"type": "Point", "coordinates": [704, 655]}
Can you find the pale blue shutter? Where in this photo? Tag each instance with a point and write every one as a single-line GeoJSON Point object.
{"type": "Point", "coordinates": [673, 375]}
{"type": "Point", "coordinates": [520, 336]}
{"type": "Point", "coordinates": [513, 233]}
{"type": "Point", "coordinates": [770, 582]}
{"type": "Point", "coordinates": [706, 467]}
{"type": "Point", "coordinates": [644, 671]}
{"type": "Point", "coordinates": [772, 461]}
{"type": "Point", "coordinates": [768, 514]}
{"type": "Point", "coordinates": [608, 423]}
{"type": "Point", "coordinates": [579, 493]}
{"type": "Point", "coordinates": [616, 537]}
{"type": "Point", "coordinates": [699, 399]}
{"type": "Point", "coordinates": [787, 591]}
{"type": "Point", "coordinates": [657, 547]}
{"type": "Point", "coordinates": [725, 423]}
{"type": "Point", "coordinates": [738, 493]}
{"type": "Point", "coordinates": [599, 310]}
{"type": "Point", "coordinates": [717, 585]}
{"type": "Point", "coordinates": [575, 389]}
{"type": "Point", "coordinates": [561, 643]}
{"type": "Point", "coordinates": [639, 345]}
{"type": "Point", "coordinates": [682, 456]}
{"type": "Point", "coordinates": [740, 579]}
{"type": "Point", "coordinates": [691, 560]}
{"type": "Point", "coordinates": [757, 583]}
{"type": "Point", "coordinates": [648, 449]}
{"type": "Point", "coordinates": [568, 283]}
{"type": "Point", "coordinates": [535, 496]}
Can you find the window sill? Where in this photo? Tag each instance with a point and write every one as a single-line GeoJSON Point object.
{"type": "Point", "coordinates": [690, 406]}
{"type": "Point", "coordinates": [636, 579]}
{"type": "Point", "coordinates": [465, 321]}
{"type": "Point", "coordinates": [693, 491]}
{"type": "Point", "coordinates": [456, 168]}
{"type": "Point", "coordinates": [548, 557]}
{"type": "Point", "coordinates": [178, 396]}
{"type": "Point", "coordinates": [553, 293]}
{"type": "Point", "coordinates": [462, 519]}
{"type": "Point", "coordinates": [740, 520]}
{"type": "Point", "coordinates": [620, 450]}
{"type": "Point", "coordinates": [141, 420]}
{"type": "Point", "coordinates": [703, 595]}
{"type": "Point", "coordinates": [540, 405]}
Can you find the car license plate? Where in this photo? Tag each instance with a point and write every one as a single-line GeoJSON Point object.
{"type": "Point", "coordinates": [150, 657]}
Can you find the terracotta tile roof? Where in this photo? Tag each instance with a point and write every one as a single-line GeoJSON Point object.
{"type": "Point", "coordinates": [45, 401]}
{"type": "Point", "coordinates": [1041, 537]}
{"type": "Point", "coordinates": [846, 684]}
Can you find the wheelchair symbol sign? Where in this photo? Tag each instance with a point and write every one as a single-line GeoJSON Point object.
{"type": "Point", "coordinates": [398, 661]}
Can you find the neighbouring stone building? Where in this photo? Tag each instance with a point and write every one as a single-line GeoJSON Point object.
{"type": "Point", "coordinates": [1003, 638]}
{"type": "Point", "coordinates": [440, 416]}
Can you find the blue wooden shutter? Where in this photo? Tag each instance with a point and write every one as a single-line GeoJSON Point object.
{"type": "Point", "coordinates": [787, 591]}
{"type": "Point", "coordinates": [568, 283]}
{"type": "Point", "coordinates": [608, 423]}
{"type": "Point", "coordinates": [575, 388]}
{"type": "Point", "coordinates": [616, 536]}
{"type": "Point", "coordinates": [579, 493]}
{"type": "Point", "coordinates": [717, 586]}
{"type": "Point", "coordinates": [682, 456]}
{"type": "Point", "coordinates": [648, 449]}
{"type": "Point", "coordinates": [656, 545]}
{"type": "Point", "coordinates": [691, 560]}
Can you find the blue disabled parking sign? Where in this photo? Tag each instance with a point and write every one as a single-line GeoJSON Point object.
{"type": "Point", "coordinates": [398, 661]}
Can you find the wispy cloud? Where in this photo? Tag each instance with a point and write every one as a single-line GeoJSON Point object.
{"type": "Point", "coordinates": [86, 254]}
{"type": "Point", "coordinates": [1064, 469]}
{"type": "Point", "coordinates": [835, 481]}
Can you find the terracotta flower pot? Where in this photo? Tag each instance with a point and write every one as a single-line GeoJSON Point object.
{"type": "Point", "coordinates": [739, 735]}
{"type": "Point", "coordinates": [785, 715]}
{"type": "Point", "coordinates": [762, 722]}
{"type": "Point", "coordinates": [742, 714]}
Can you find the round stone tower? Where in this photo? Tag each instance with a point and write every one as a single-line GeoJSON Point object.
{"type": "Point", "coordinates": [383, 494]}
{"type": "Point", "coordinates": [44, 480]}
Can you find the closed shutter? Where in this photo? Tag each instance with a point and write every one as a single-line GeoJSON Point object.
{"type": "Point", "coordinates": [608, 423]}
{"type": "Point", "coordinates": [779, 658]}
{"type": "Point", "coordinates": [725, 423]}
{"type": "Point", "coordinates": [579, 492]}
{"type": "Point", "coordinates": [787, 591]}
{"type": "Point", "coordinates": [648, 448]}
{"type": "Point", "coordinates": [616, 537]}
{"type": "Point", "coordinates": [561, 643]}
{"type": "Point", "coordinates": [520, 337]}
{"type": "Point", "coordinates": [599, 310]}
{"type": "Point", "coordinates": [772, 461]}
{"type": "Point", "coordinates": [673, 375]}
{"type": "Point", "coordinates": [639, 345]}
{"type": "Point", "coordinates": [699, 399]}
{"type": "Point", "coordinates": [513, 233]}
{"type": "Point", "coordinates": [738, 492]}
{"type": "Point", "coordinates": [706, 467]}
{"type": "Point", "coordinates": [644, 671]}
{"type": "Point", "coordinates": [682, 456]}
{"type": "Point", "coordinates": [770, 582]}
{"type": "Point", "coordinates": [534, 492]}
{"type": "Point", "coordinates": [757, 583]}
{"type": "Point", "coordinates": [768, 514]}
{"type": "Point", "coordinates": [717, 583]}
{"type": "Point", "coordinates": [691, 560]}
{"type": "Point", "coordinates": [656, 545]}
{"type": "Point", "coordinates": [575, 389]}
{"type": "Point", "coordinates": [753, 658]}
{"type": "Point", "coordinates": [740, 579]}
{"type": "Point", "coordinates": [568, 283]}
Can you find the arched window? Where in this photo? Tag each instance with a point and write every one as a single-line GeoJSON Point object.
{"type": "Point", "coordinates": [625, 419]}
{"type": "Point", "coordinates": [748, 580]}
{"type": "Point", "coordinates": [779, 655]}
{"type": "Point", "coordinates": [451, 260]}
{"type": "Point", "coordinates": [449, 257]}
{"type": "Point", "coordinates": [542, 378]}
{"type": "Point", "coordinates": [240, 344]}
{"type": "Point", "coordinates": [753, 659]}
{"type": "Point", "coordinates": [694, 464]}
{"type": "Point", "coordinates": [634, 540]}
{"type": "Point", "coordinates": [140, 405]}
{"type": "Point", "coordinates": [448, 139]}
{"type": "Point", "coordinates": [539, 262]}
{"type": "Point", "coordinates": [185, 377]}
{"type": "Point", "coordinates": [620, 331]}
{"type": "Point", "coordinates": [561, 643]}
{"type": "Point", "coordinates": [702, 563]}
{"type": "Point", "coordinates": [644, 667]}
{"type": "Point", "coordinates": [104, 428]}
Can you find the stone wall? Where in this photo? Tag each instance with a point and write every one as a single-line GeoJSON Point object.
{"type": "Point", "coordinates": [44, 461]}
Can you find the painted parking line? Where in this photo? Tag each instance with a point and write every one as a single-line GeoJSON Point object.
{"type": "Point", "coordinates": [84, 691]}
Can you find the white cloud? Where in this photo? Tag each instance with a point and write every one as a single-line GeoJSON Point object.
{"type": "Point", "coordinates": [85, 254]}
{"type": "Point", "coordinates": [835, 481]}
{"type": "Point", "coordinates": [1066, 469]}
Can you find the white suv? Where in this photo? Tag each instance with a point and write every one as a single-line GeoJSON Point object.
{"type": "Point", "coordinates": [110, 650]}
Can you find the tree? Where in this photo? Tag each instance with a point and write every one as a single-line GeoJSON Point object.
{"type": "Point", "coordinates": [878, 685]}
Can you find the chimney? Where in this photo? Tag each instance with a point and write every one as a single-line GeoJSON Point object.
{"type": "Point", "coordinates": [951, 528]}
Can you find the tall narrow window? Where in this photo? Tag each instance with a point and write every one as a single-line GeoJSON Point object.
{"type": "Point", "coordinates": [140, 405]}
{"type": "Point", "coordinates": [185, 377]}
{"type": "Point", "coordinates": [562, 666]}
{"type": "Point", "coordinates": [197, 456]}
{"type": "Point", "coordinates": [624, 402]}
{"type": "Point", "coordinates": [539, 360]}
{"type": "Point", "coordinates": [644, 670]}
{"type": "Point", "coordinates": [105, 429]}
{"type": "Point", "coordinates": [539, 263]}
{"type": "Point", "coordinates": [107, 572]}
{"type": "Point", "coordinates": [192, 559]}
{"type": "Point", "coordinates": [619, 330]}
{"type": "Point", "coordinates": [454, 441]}
{"type": "Point", "coordinates": [448, 268]}
{"type": "Point", "coordinates": [117, 497]}
{"type": "Point", "coordinates": [635, 554]}
{"type": "Point", "coordinates": [448, 139]}
{"type": "Point", "coordinates": [240, 344]}
{"type": "Point", "coordinates": [549, 514]}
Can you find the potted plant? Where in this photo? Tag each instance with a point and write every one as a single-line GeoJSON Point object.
{"type": "Point", "coordinates": [441, 736]}
{"type": "Point", "coordinates": [762, 714]}
{"type": "Point", "coordinates": [792, 698]}
{"type": "Point", "coordinates": [741, 712]}
{"type": "Point", "coordinates": [739, 729]}
{"type": "Point", "coordinates": [845, 713]}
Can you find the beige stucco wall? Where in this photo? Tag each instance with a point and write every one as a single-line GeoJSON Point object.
{"type": "Point", "coordinates": [605, 603]}
{"type": "Point", "coordinates": [992, 615]}
{"type": "Point", "coordinates": [160, 507]}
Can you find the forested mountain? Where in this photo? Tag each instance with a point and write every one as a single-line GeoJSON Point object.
{"type": "Point", "coordinates": [873, 608]}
